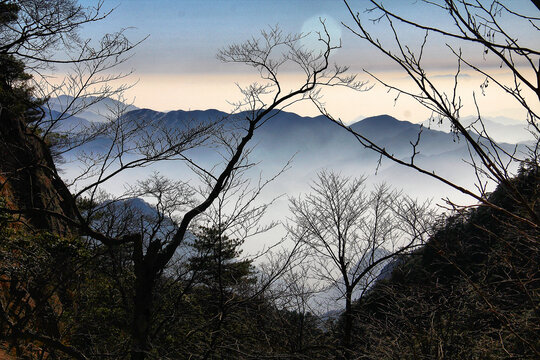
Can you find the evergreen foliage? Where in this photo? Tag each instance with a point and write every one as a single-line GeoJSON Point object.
{"type": "Point", "coordinates": [16, 94]}
{"type": "Point", "coordinates": [216, 261]}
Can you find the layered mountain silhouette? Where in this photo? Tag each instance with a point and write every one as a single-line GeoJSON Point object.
{"type": "Point", "coordinates": [500, 128]}
{"type": "Point", "coordinates": [317, 143]}
{"type": "Point", "coordinates": [90, 108]}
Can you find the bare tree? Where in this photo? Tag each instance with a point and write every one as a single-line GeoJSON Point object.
{"type": "Point", "coordinates": [36, 37]}
{"type": "Point", "coordinates": [131, 142]}
{"type": "Point", "coordinates": [483, 25]}
{"type": "Point", "coordinates": [352, 234]}
{"type": "Point", "coordinates": [489, 27]}
{"type": "Point", "coordinates": [261, 103]}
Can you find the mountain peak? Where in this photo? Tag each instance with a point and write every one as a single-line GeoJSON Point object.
{"type": "Point", "coordinates": [382, 120]}
{"type": "Point", "coordinates": [383, 126]}
{"type": "Point", "coordinates": [382, 117]}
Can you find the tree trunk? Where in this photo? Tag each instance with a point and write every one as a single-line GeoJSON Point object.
{"type": "Point", "coordinates": [142, 312]}
{"type": "Point", "coordinates": [347, 326]}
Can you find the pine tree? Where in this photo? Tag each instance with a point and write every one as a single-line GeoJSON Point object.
{"type": "Point", "coordinates": [216, 261]}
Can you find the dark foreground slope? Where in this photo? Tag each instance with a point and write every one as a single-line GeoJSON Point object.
{"type": "Point", "coordinates": [472, 292]}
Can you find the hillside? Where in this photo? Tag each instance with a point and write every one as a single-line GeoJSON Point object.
{"type": "Point", "coordinates": [470, 292]}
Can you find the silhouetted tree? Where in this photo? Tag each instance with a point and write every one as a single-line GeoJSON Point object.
{"type": "Point", "coordinates": [481, 25]}
{"type": "Point", "coordinates": [35, 33]}
{"type": "Point", "coordinates": [352, 234]}
{"type": "Point", "coordinates": [487, 27]}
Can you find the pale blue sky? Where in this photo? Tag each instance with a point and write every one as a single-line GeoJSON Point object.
{"type": "Point", "coordinates": [177, 66]}
{"type": "Point", "coordinates": [184, 35]}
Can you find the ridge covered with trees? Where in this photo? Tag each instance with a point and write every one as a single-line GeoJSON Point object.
{"type": "Point", "coordinates": [472, 291]}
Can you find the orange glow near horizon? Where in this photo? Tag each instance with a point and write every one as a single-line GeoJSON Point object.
{"type": "Point", "coordinates": [166, 92]}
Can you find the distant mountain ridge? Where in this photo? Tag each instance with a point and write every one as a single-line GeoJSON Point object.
{"type": "Point", "coordinates": [499, 128]}
{"type": "Point", "coordinates": [316, 134]}
{"type": "Point", "coordinates": [316, 143]}
{"type": "Point", "coordinates": [91, 108]}
{"type": "Point", "coordinates": [287, 127]}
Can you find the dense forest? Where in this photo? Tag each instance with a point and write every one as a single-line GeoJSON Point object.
{"type": "Point", "coordinates": [86, 275]}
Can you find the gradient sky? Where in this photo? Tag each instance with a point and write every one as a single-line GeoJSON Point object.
{"type": "Point", "coordinates": [176, 66]}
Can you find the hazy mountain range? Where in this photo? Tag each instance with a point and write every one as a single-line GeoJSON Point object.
{"type": "Point", "coordinates": [315, 143]}
{"type": "Point", "coordinates": [500, 128]}
{"type": "Point", "coordinates": [92, 108]}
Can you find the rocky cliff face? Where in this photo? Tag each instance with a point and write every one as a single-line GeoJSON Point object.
{"type": "Point", "coordinates": [28, 178]}
{"type": "Point", "coordinates": [30, 187]}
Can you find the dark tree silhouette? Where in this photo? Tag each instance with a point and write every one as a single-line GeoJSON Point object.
{"type": "Point", "coordinates": [351, 234]}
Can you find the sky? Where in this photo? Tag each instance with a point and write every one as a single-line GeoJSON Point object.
{"type": "Point", "coordinates": [176, 66]}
